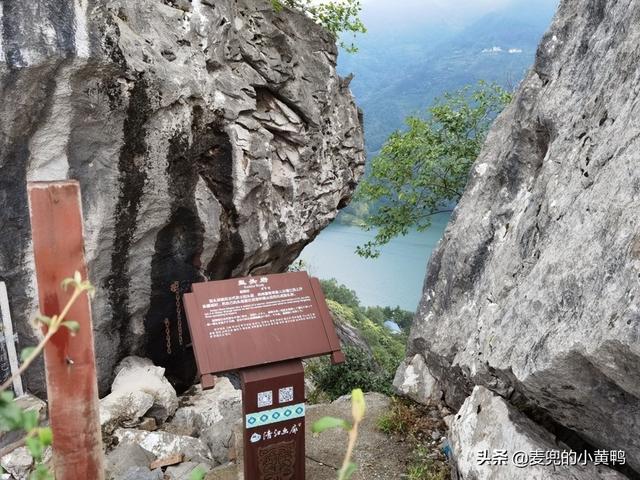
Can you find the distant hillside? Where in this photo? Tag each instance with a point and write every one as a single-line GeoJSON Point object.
{"type": "Point", "coordinates": [398, 73]}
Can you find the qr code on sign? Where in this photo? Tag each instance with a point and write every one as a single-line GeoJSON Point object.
{"type": "Point", "coordinates": [265, 399]}
{"type": "Point", "coordinates": [285, 395]}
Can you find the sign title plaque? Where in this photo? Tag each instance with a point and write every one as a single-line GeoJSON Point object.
{"type": "Point", "coordinates": [251, 321]}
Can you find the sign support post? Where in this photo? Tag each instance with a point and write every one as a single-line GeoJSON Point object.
{"type": "Point", "coordinates": [263, 327]}
{"type": "Point", "coordinates": [273, 410]}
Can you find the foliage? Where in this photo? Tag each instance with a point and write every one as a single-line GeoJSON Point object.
{"type": "Point", "coordinates": [358, 370]}
{"type": "Point", "coordinates": [403, 318]}
{"type": "Point", "coordinates": [335, 16]}
{"type": "Point", "coordinates": [404, 418]}
{"type": "Point", "coordinates": [423, 467]}
{"type": "Point", "coordinates": [388, 348]}
{"type": "Point", "coordinates": [36, 439]}
{"type": "Point", "coordinates": [12, 416]}
{"type": "Point", "coordinates": [371, 369]}
{"type": "Point", "coordinates": [339, 293]}
{"type": "Point", "coordinates": [422, 171]}
{"type": "Point", "coordinates": [358, 409]}
{"type": "Point", "coordinates": [413, 422]}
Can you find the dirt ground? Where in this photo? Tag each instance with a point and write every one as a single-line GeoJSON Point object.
{"type": "Point", "coordinates": [377, 455]}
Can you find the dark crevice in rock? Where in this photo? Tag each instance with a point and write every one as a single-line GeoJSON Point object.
{"type": "Point", "coordinates": [179, 245]}
{"type": "Point", "coordinates": [175, 264]}
{"type": "Point", "coordinates": [526, 157]}
{"type": "Point", "coordinates": [215, 166]}
{"type": "Point", "coordinates": [541, 403]}
{"type": "Point", "coordinates": [276, 259]}
{"type": "Point", "coordinates": [478, 261]}
{"type": "Point", "coordinates": [263, 95]}
{"type": "Point", "coordinates": [132, 168]}
{"type": "Point", "coordinates": [110, 44]}
{"type": "Point", "coordinates": [570, 437]}
{"type": "Point", "coordinates": [456, 383]}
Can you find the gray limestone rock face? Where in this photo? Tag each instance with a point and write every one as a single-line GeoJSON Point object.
{"type": "Point", "coordinates": [413, 380]}
{"type": "Point", "coordinates": [490, 440]}
{"type": "Point", "coordinates": [533, 291]}
{"type": "Point", "coordinates": [210, 141]}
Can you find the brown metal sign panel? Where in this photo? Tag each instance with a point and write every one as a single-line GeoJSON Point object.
{"type": "Point", "coordinates": [58, 245]}
{"type": "Point", "coordinates": [274, 415]}
{"type": "Point", "coordinates": [250, 321]}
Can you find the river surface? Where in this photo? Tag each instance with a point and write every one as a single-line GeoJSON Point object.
{"type": "Point", "coordinates": [394, 278]}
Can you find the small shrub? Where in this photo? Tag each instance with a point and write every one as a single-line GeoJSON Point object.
{"type": "Point", "coordinates": [406, 418]}
{"type": "Point", "coordinates": [415, 422]}
{"type": "Point", "coordinates": [339, 293]}
{"type": "Point", "coordinates": [424, 467]}
{"type": "Point", "coordinates": [359, 370]}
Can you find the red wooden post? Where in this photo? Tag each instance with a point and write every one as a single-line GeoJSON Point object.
{"type": "Point", "coordinates": [58, 244]}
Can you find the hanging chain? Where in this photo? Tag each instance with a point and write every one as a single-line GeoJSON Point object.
{"type": "Point", "coordinates": [167, 334]}
{"type": "Point", "coordinates": [175, 288]}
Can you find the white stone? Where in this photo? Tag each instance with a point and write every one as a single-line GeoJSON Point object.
{"type": "Point", "coordinates": [487, 422]}
{"type": "Point", "coordinates": [138, 387]}
{"type": "Point", "coordinates": [163, 444]}
{"type": "Point", "coordinates": [18, 463]}
{"type": "Point", "coordinates": [208, 416]}
{"type": "Point", "coordinates": [414, 380]}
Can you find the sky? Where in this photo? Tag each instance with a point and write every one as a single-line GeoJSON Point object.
{"type": "Point", "coordinates": [385, 14]}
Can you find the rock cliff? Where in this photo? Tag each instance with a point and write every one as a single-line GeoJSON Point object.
{"type": "Point", "coordinates": [533, 291]}
{"type": "Point", "coordinates": [211, 139]}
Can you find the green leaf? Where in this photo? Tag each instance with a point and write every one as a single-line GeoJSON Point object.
{"type": "Point", "coordinates": [77, 278]}
{"type": "Point", "coordinates": [29, 420]}
{"type": "Point", "coordinates": [5, 397]}
{"type": "Point", "coordinates": [349, 470]}
{"type": "Point", "coordinates": [422, 170]}
{"type": "Point", "coordinates": [26, 353]}
{"type": "Point", "coordinates": [326, 423]}
{"type": "Point", "coordinates": [72, 325]}
{"type": "Point", "coordinates": [44, 319]}
{"type": "Point", "coordinates": [11, 417]}
{"type": "Point", "coordinates": [34, 445]}
{"type": "Point", "coordinates": [358, 406]}
{"type": "Point", "coordinates": [41, 472]}
{"type": "Point", "coordinates": [197, 474]}
{"type": "Point", "coordinates": [45, 435]}
{"type": "Point", "coordinates": [66, 282]}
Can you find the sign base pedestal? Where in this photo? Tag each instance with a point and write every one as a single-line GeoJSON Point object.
{"type": "Point", "coordinates": [274, 415]}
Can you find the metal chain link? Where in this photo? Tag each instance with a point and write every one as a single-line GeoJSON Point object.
{"type": "Point", "coordinates": [167, 333]}
{"type": "Point", "coordinates": [175, 288]}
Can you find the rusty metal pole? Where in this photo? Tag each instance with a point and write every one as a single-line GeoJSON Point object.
{"type": "Point", "coordinates": [72, 389]}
